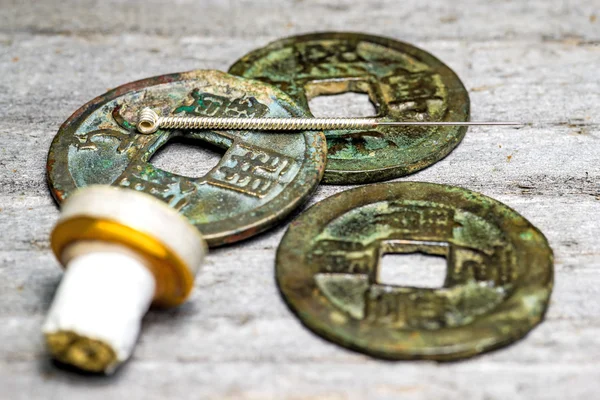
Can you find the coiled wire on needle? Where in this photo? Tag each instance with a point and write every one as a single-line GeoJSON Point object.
{"type": "Point", "coordinates": [150, 122]}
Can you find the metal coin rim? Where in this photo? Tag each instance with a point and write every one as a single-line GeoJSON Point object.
{"type": "Point", "coordinates": [225, 231]}
{"type": "Point", "coordinates": [486, 333]}
{"type": "Point", "coordinates": [453, 83]}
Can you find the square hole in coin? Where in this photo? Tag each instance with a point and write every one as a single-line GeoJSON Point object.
{"type": "Point", "coordinates": [412, 270]}
{"type": "Point", "coordinates": [348, 105]}
{"type": "Point", "coordinates": [192, 158]}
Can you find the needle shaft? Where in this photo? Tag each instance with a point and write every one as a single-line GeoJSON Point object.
{"type": "Point", "coordinates": [450, 123]}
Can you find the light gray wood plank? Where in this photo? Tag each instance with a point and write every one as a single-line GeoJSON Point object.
{"type": "Point", "coordinates": [236, 339]}
{"type": "Point", "coordinates": [411, 20]}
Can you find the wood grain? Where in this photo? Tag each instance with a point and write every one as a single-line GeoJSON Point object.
{"type": "Point", "coordinates": [531, 61]}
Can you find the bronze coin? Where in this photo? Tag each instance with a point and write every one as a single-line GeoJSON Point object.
{"type": "Point", "coordinates": [259, 180]}
{"type": "Point", "coordinates": [404, 83]}
{"type": "Point", "coordinates": [497, 286]}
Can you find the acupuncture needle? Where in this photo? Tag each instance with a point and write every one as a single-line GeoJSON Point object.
{"type": "Point", "coordinates": [149, 122]}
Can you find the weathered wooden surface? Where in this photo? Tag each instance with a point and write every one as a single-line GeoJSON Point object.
{"type": "Point", "coordinates": [532, 61]}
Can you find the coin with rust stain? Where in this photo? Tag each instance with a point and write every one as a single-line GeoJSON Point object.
{"type": "Point", "coordinates": [260, 178]}
{"type": "Point", "coordinates": [498, 279]}
{"type": "Point", "coordinates": [404, 83]}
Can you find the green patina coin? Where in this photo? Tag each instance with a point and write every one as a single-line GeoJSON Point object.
{"type": "Point", "coordinates": [498, 280]}
{"type": "Point", "coordinates": [403, 82]}
{"type": "Point", "coordinates": [260, 178]}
